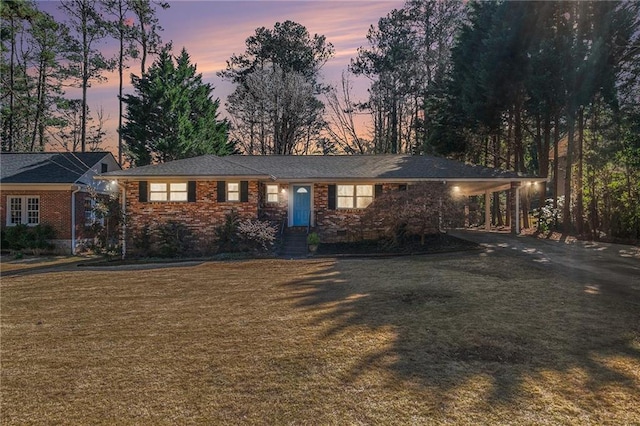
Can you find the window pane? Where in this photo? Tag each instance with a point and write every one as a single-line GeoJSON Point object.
{"type": "Point", "coordinates": [272, 198]}
{"type": "Point", "coordinates": [88, 211]}
{"type": "Point", "coordinates": [158, 187]}
{"type": "Point", "coordinates": [178, 187]}
{"type": "Point", "coordinates": [178, 196]}
{"type": "Point", "coordinates": [272, 189]}
{"type": "Point", "coordinates": [33, 211]}
{"type": "Point", "coordinates": [16, 210]}
{"type": "Point", "coordinates": [158, 196]}
{"type": "Point", "coordinates": [233, 187]}
{"type": "Point", "coordinates": [364, 190]}
{"type": "Point", "coordinates": [233, 196]}
{"type": "Point", "coordinates": [363, 202]}
{"type": "Point", "coordinates": [345, 202]}
{"type": "Point", "coordinates": [345, 190]}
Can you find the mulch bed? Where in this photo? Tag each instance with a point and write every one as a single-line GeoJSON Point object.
{"type": "Point", "coordinates": [436, 243]}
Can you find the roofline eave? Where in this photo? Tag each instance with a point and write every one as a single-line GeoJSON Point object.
{"type": "Point", "coordinates": [127, 178]}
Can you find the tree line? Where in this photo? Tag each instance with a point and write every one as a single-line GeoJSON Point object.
{"type": "Point", "coordinates": [523, 86]}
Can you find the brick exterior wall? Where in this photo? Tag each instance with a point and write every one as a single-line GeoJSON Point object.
{"type": "Point", "coordinates": [331, 225]}
{"type": "Point", "coordinates": [342, 224]}
{"type": "Point", "coordinates": [201, 217]}
{"type": "Point", "coordinates": [55, 210]}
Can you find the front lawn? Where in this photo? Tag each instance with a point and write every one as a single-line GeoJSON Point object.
{"type": "Point", "coordinates": [446, 339]}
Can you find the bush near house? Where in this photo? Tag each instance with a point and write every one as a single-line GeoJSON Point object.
{"type": "Point", "coordinates": [33, 238]}
{"type": "Point", "coordinates": [423, 209]}
{"type": "Point", "coordinates": [175, 239]}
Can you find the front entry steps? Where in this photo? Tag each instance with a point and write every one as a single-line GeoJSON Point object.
{"type": "Point", "coordinates": [294, 243]}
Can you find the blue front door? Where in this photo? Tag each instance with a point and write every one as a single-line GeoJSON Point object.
{"type": "Point", "coordinates": [301, 205]}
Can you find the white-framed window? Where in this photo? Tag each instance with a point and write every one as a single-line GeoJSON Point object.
{"type": "Point", "coordinates": [176, 191]}
{"type": "Point", "coordinates": [354, 196]}
{"type": "Point", "coordinates": [23, 210]}
{"type": "Point", "coordinates": [90, 216]}
{"type": "Point", "coordinates": [233, 191]}
{"type": "Point", "coordinates": [272, 193]}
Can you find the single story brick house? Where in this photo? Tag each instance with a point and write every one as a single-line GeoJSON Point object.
{"type": "Point", "coordinates": [325, 193]}
{"type": "Point", "coordinates": [53, 188]}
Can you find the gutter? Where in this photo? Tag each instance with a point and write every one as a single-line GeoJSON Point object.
{"type": "Point", "coordinates": [123, 207]}
{"type": "Point", "coordinates": [73, 218]}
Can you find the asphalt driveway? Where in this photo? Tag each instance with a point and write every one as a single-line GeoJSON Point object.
{"type": "Point", "coordinates": [599, 266]}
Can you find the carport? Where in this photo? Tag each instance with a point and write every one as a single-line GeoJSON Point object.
{"type": "Point", "coordinates": [487, 187]}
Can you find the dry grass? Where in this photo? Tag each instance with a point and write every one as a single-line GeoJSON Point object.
{"type": "Point", "coordinates": [424, 340]}
{"type": "Point", "coordinates": [9, 263]}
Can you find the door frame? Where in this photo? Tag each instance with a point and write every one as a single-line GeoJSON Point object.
{"type": "Point", "coordinates": [293, 188]}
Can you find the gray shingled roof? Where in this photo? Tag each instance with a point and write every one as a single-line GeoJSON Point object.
{"type": "Point", "coordinates": [205, 165]}
{"type": "Point", "coordinates": [46, 167]}
{"type": "Point", "coordinates": [291, 167]}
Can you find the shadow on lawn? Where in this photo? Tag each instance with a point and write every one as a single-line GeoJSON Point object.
{"type": "Point", "coordinates": [456, 319]}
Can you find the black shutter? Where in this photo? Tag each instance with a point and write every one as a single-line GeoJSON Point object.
{"type": "Point", "coordinates": [142, 191]}
{"type": "Point", "coordinates": [244, 191]}
{"type": "Point", "coordinates": [332, 197]}
{"type": "Point", "coordinates": [191, 191]}
{"type": "Point", "coordinates": [222, 191]}
{"type": "Point", "coordinates": [377, 191]}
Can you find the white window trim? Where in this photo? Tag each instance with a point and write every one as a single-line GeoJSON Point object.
{"type": "Point", "coordinates": [276, 193]}
{"type": "Point", "coordinates": [169, 193]}
{"type": "Point", "coordinates": [24, 215]}
{"type": "Point", "coordinates": [354, 198]}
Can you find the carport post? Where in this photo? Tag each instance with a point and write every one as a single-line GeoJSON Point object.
{"type": "Point", "coordinates": [487, 210]}
{"type": "Point", "coordinates": [516, 215]}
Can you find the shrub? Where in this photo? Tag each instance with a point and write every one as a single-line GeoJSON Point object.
{"type": "Point", "coordinates": [547, 216]}
{"type": "Point", "coordinates": [313, 239]}
{"type": "Point", "coordinates": [142, 242]}
{"type": "Point", "coordinates": [227, 233]}
{"type": "Point", "coordinates": [257, 234]}
{"type": "Point", "coordinates": [175, 239]}
{"type": "Point", "coordinates": [35, 238]}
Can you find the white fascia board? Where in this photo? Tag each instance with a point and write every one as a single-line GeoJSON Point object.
{"type": "Point", "coordinates": [37, 186]}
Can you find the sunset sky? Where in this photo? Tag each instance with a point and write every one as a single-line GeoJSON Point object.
{"type": "Point", "coordinates": [212, 31]}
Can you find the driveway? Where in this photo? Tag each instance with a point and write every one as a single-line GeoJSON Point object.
{"type": "Point", "coordinates": [597, 265]}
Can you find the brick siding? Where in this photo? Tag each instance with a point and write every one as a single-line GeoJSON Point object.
{"type": "Point", "coordinates": [55, 210]}
{"type": "Point", "coordinates": [201, 217]}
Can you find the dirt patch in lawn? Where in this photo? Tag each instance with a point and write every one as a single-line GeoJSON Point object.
{"type": "Point", "coordinates": [406, 340]}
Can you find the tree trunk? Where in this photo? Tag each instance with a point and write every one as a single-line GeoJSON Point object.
{"type": "Point", "coordinates": [544, 156]}
{"type": "Point", "coordinates": [566, 212]}
{"type": "Point", "coordinates": [579, 188]}
{"type": "Point", "coordinates": [556, 138]}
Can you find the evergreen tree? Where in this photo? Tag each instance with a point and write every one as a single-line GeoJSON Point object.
{"type": "Point", "coordinates": [172, 114]}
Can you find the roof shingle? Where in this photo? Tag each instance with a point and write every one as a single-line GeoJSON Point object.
{"type": "Point", "coordinates": [46, 167]}
{"type": "Point", "coordinates": [313, 167]}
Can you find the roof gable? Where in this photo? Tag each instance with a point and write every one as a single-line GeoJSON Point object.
{"type": "Point", "coordinates": [47, 167]}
